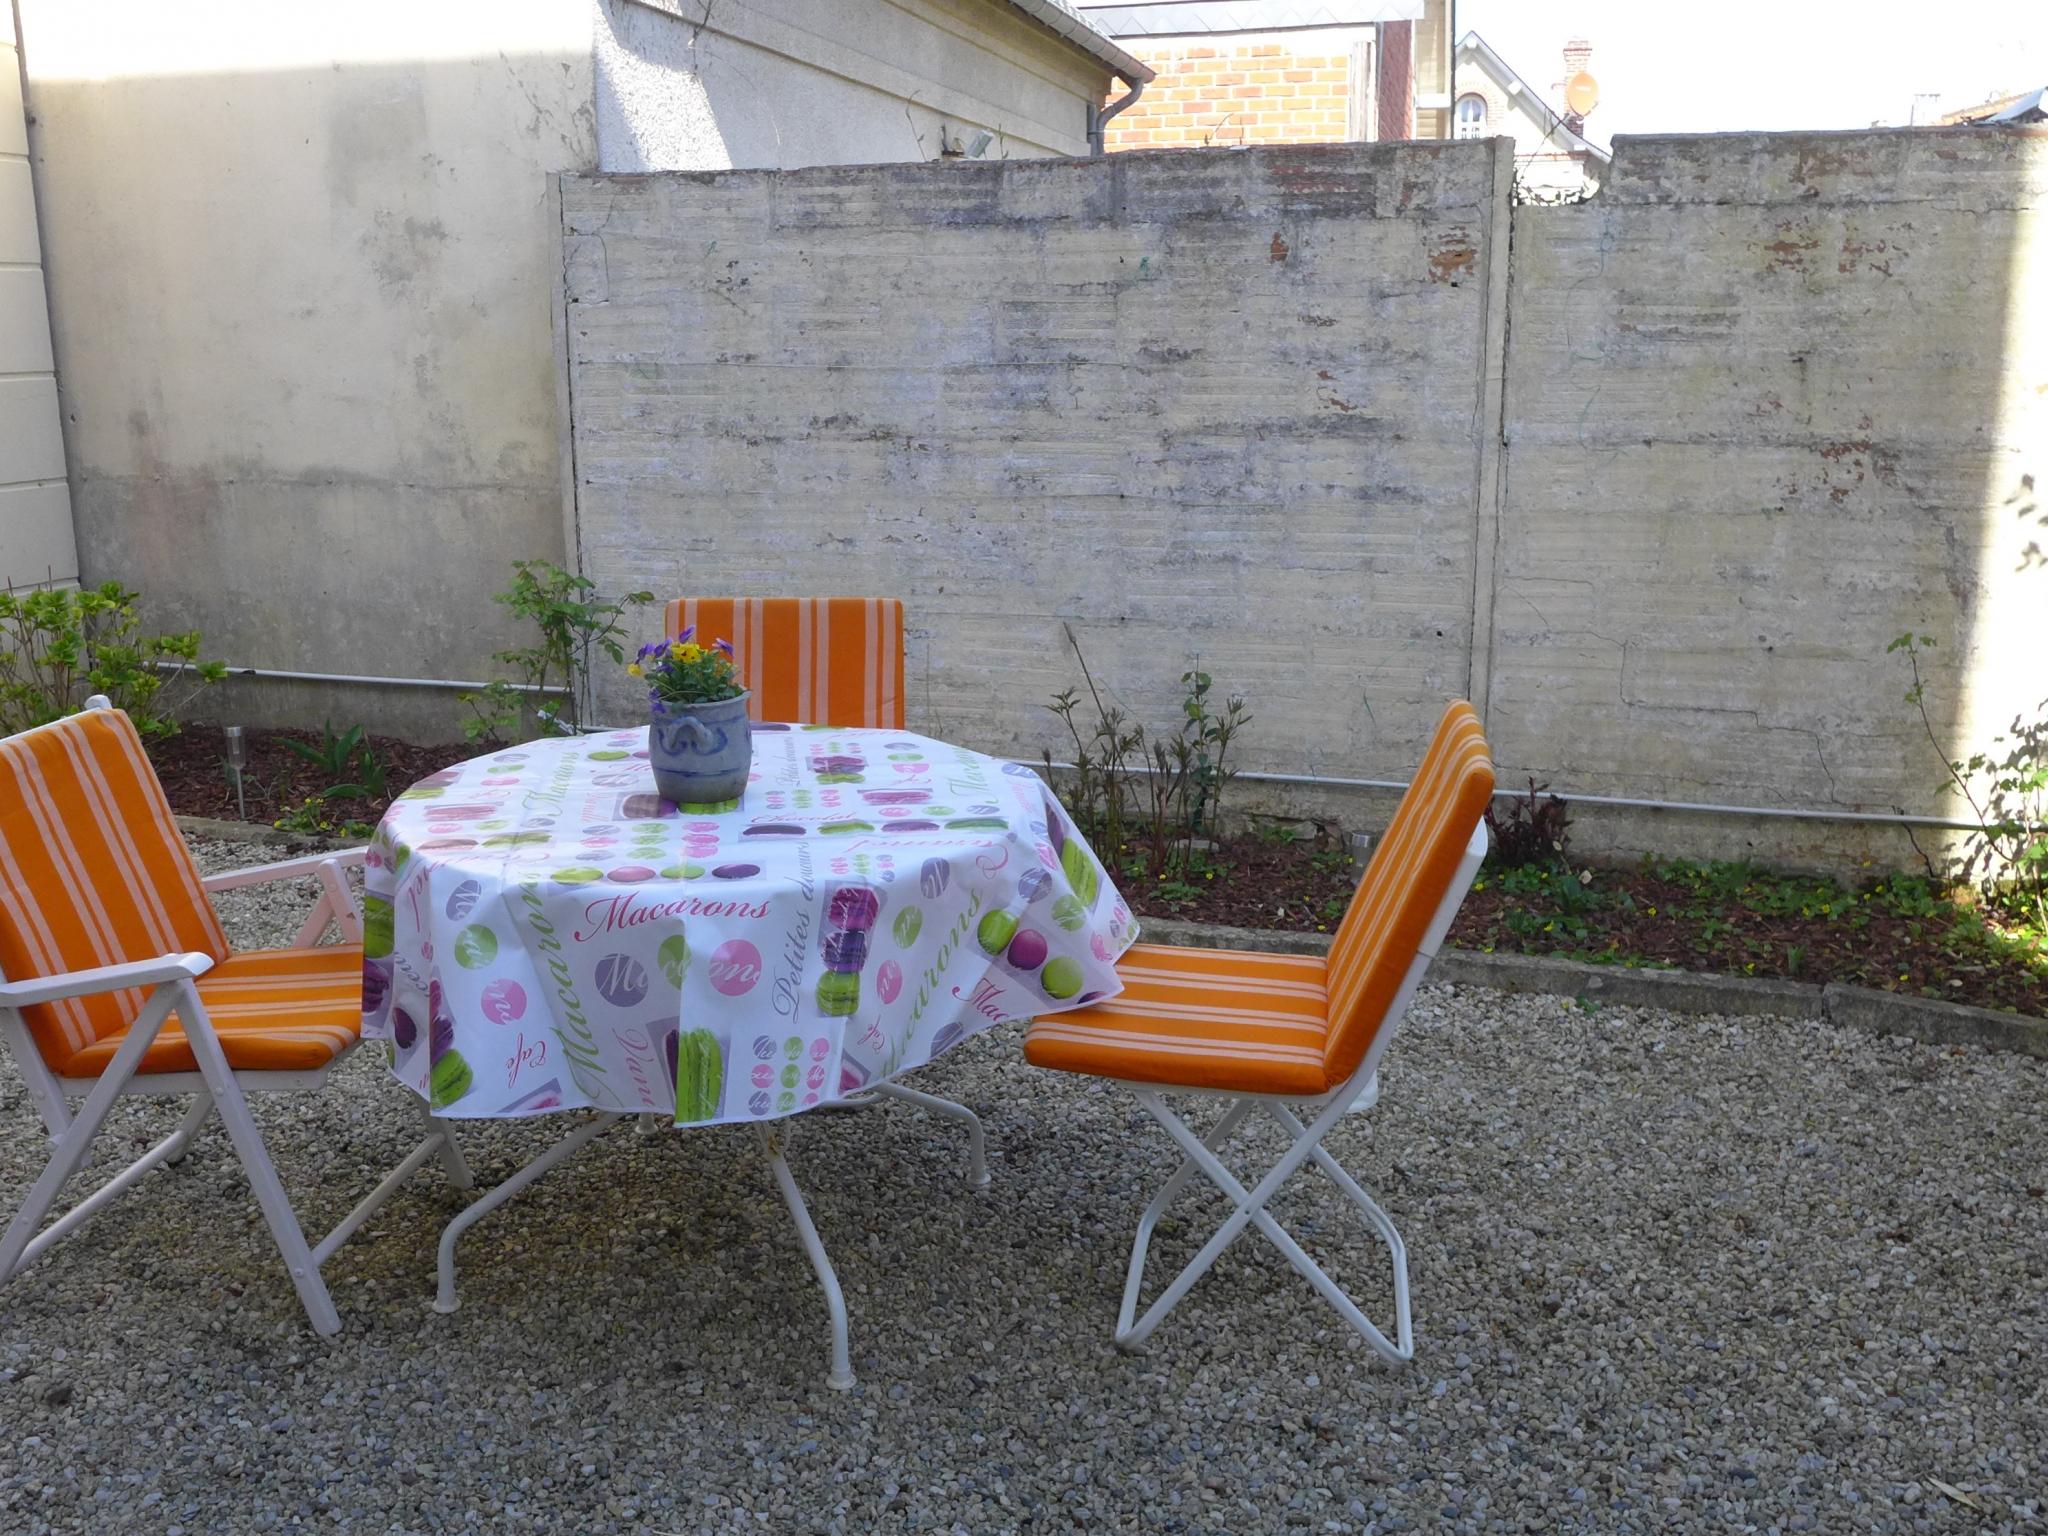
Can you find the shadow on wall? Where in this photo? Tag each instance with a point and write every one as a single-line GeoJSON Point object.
{"type": "Point", "coordinates": [303, 333]}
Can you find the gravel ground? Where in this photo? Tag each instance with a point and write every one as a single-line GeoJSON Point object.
{"type": "Point", "coordinates": [1671, 1274]}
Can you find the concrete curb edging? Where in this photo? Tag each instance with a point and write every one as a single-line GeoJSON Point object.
{"type": "Point", "coordinates": [1865, 1008]}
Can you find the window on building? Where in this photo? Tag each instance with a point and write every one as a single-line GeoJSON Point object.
{"type": "Point", "coordinates": [1471, 123]}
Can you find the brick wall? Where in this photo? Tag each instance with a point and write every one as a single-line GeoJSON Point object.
{"type": "Point", "coordinates": [1256, 93]}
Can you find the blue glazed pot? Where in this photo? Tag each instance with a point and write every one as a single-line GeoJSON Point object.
{"type": "Point", "coordinates": [701, 753]}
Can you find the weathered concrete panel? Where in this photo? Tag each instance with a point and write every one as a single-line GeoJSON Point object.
{"type": "Point", "coordinates": [1772, 401]}
{"type": "Point", "coordinates": [1218, 406]}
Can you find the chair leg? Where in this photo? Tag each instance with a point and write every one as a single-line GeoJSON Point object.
{"type": "Point", "coordinates": [181, 1139]}
{"type": "Point", "coordinates": [1134, 1276]}
{"type": "Point", "coordinates": [1251, 1211]}
{"type": "Point", "coordinates": [71, 1147]}
{"type": "Point", "coordinates": [445, 1299]}
{"type": "Point", "coordinates": [1376, 1217]}
{"type": "Point", "coordinates": [840, 1375]}
{"type": "Point", "coordinates": [977, 1145]}
{"type": "Point", "coordinates": [263, 1180]}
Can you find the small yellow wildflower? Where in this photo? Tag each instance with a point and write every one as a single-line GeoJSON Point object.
{"type": "Point", "coordinates": [633, 668]}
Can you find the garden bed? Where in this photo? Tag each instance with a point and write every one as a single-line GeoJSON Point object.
{"type": "Point", "coordinates": [277, 782]}
{"type": "Point", "coordinates": [1900, 934]}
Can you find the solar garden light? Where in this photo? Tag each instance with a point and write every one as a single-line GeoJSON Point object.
{"type": "Point", "coordinates": [238, 759]}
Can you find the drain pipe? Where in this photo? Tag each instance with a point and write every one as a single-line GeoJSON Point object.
{"type": "Point", "coordinates": [1250, 776]}
{"type": "Point", "coordinates": [451, 683]}
{"type": "Point", "coordinates": [1624, 802]}
{"type": "Point", "coordinates": [1099, 117]}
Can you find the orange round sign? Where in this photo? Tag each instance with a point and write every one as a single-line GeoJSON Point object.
{"type": "Point", "coordinates": [1582, 93]}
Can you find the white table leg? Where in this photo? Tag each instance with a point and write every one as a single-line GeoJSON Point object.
{"type": "Point", "coordinates": [977, 1146]}
{"type": "Point", "coordinates": [840, 1377]}
{"type": "Point", "coordinates": [470, 1215]}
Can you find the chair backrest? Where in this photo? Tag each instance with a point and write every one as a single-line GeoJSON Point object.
{"type": "Point", "coordinates": [93, 871]}
{"type": "Point", "coordinates": [1399, 905]}
{"type": "Point", "coordinates": [809, 660]}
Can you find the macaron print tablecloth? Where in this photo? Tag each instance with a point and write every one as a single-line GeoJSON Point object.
{"type": "Point", "coordinates": [543, 932]}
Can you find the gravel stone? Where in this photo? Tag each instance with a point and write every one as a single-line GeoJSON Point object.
{"type": "Point", "coordinates": [1670, 1274]}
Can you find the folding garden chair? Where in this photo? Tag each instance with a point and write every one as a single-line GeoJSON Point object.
{"type": "Point", "coordinates": [808, 660]}
{"type": "Point", "coordinates": [1267, 1031]}
{"type": "Point", "coordinates": [117, 980]}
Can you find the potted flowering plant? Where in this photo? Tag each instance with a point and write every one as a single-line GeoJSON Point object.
{"type": "Point", "coordinates": [698, 739]}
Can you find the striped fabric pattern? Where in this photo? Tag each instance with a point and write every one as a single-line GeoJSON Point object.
{"type": "Point", "coordinates": [1198, 1018]}
{"type": "Point", "coordinates": [275, 1010]}
{"type": "Point", "coordinates": [1283, 1024]}
{"type": "Point", "coordinates": [1404, 885]}
{"type": "Point", "coordinates": [93, 872]}
{"type": "Point", "coordinates": [808, 660]}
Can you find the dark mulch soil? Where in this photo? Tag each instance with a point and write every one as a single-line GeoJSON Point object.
{"type": "Point", "coordinates": [193, 767]}
{"type": "Point", "coordinates": [1901, 936]}
{"type": "Point", "coordinates": [1897, 936]}
{"type": "Point", "coordinates": [1254, 882]}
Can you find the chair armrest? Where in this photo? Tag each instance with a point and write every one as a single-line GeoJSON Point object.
{"type": "Point", "coordinates": [284, 869]}
{"type": "Point", "coordinates": [103, 978]}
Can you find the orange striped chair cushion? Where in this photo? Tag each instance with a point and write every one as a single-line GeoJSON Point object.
{"type": "Point", "coordinates": [1198, 1018]}
{"type": "Point", "coordinates": [1404, 885]}
{"type": "Point", "coordinates": [93, 872]}
{"type": "Point", "coordinates": [275, 1010]}
{"type": "Point", "coordinates": [808, 660]}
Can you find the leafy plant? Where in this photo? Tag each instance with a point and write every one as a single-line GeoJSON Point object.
{"type": "Point", "coordinates": [60, 645]}
{"type": "Point", "coordinates": [1532, 831]}
{"type": "Point", "coordinates": [2006, 789]}
{"type": "Point", "coordinates": [1162, 793]}
{"type": "Point", "coordinates": [575, 627]}
{"type": "Point", "coordinates": [312, 818]}
{"type": "Point", "coordinates": [353, 769]}
{"type": "Point", "coordinates": [335, 755]}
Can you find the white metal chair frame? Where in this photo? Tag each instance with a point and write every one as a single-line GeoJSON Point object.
{"type": "Point", "coordinates": [171, 979]}
{"type": "Point", "coordinates": [1359, 1091]}
{"type": "Point", "coordinates": [773, 1138]}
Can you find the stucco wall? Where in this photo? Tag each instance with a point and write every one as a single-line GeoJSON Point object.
{"type": "Point", "coordinates": [1768, 402]}
{"type": "Point", "coordinates": [36, 542]}
{"type": "Point", "coordinates": [302, 272]}
{"type": "Point", "coordinates": [302, 264]}
{"type": "Point", "coordinates": [712, 85]}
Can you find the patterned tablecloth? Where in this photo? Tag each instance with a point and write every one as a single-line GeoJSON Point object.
{"type": "Point", "coordinates": [542, 932]}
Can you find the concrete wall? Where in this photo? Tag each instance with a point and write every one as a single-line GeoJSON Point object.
{"type": "Point", "coordinates": [1658, 498]}
{"type": "Point", "coordinates": [1771, 402]}
{"type": "Point", "coordinates": [303, 261]}
{"type": "Point", "coordinates": [36, 542]}
{"type": "Point", "coordinates": [1218, 405]}
{"type": "Point", "coordinates": [710, 85]}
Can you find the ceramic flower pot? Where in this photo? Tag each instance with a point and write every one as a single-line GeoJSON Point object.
{"type": "Point", "coordinates": [701, 753]}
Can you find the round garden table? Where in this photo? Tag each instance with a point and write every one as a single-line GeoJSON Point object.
{"type": "Point", "coordinates": [544, 933]}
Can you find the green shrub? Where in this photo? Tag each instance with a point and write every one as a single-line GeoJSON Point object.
{"type": "Point", "coordinates": [61, 645]}
{"type": "Point", "coordinates": [574, 626]}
